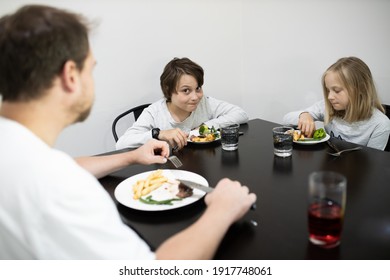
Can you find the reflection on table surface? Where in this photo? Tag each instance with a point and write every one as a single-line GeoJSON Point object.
{"type": "Point", "coordinates": [281, 187]}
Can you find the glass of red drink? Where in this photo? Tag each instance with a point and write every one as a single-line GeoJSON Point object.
{"type": "Point", "coordinates": [327, 199]}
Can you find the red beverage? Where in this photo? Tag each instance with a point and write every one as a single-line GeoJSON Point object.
{"type": "Point", "coordinates": [325, 223]}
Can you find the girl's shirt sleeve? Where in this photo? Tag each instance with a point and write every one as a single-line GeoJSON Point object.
{"type": "Point", "coordinates": [317, 111]}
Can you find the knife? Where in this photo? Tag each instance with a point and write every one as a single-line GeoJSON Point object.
{"type": "Point", "coordinates": [204, 188]}
{"type": "Point", "coordinates": [197, 186]}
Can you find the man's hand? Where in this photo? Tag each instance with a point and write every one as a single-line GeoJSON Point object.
{"type": "Point", "coordinates": [231, 199]}
{"type": "Point", "coordinates": [151, 152]}
{"type": "Point", "coordinates": [225, 205]}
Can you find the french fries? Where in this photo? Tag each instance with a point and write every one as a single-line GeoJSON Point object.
{"type": "Point", "coordinates": [298, 135]}
{"type": "Point", "coordinates": [207, 138]}
{"type": "Point", "coordinates": [152, 182]}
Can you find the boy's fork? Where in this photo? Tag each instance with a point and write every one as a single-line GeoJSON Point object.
{"type": "Point", "coordinates": [175, 161]}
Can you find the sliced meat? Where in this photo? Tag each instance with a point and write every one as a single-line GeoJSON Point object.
{"type": "Point", "coordinates": [184, 191]}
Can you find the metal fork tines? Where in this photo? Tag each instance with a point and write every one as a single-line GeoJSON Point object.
{"type": "Point", "coordinates": [346, 150]}
{"type": "Point", "coordinates": [175, 161]}
{"type": "Point", "coordinates": [333, 146]}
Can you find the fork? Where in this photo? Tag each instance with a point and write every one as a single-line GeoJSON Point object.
{"type": "Point", "coordinates": [346, 150]}
{"type": "Point", "coordinates": [175, 161]}
{"type": "Point", "coordinates": [333, 146]}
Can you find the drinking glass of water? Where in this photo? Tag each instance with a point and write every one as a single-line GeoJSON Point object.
{"type": "Point", "coordinates": [283, 141]}
{"type": "Point", "coordinates": [229, 137]}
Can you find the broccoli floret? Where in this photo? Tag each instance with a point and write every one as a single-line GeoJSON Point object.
{"type": "Point", "coordinates": [319, 134]}
{"type": "Point", "coordinates": [204, 130]}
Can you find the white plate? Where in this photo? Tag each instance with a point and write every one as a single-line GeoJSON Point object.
{"type": "Point", "coordinates": [327, 137]}
{"type": "Point", "coordinates": [124, 191]}
{"type": "Point", "coordinates": [196, 133]}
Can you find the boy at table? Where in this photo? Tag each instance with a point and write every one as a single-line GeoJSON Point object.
{"type": "Point", "coordinates": [184, 107]}
{"type": "Point", "coordinates": [51, 206]}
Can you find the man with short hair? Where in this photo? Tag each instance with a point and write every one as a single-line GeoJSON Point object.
{"type": "Point", "coordinates": [52, 206]}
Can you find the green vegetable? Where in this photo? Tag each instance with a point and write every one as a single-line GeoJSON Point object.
{"type": "Point", "coordinates": [204, 129]}
{"type": "Point", "coordinates": [319, 134]}
{"type": "Point", "coordinates": [149, 200]}
{"type": "Point", "coordinates": [215, 132]}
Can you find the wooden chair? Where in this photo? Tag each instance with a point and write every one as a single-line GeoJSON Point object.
{"type": "Point", "coordinates": [136, 111]}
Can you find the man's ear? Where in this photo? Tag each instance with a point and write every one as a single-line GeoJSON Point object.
{"type": "Point", "coordinates": [69, 76]}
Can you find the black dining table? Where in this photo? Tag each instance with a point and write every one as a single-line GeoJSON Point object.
{"type": "Point", "coordinates": [278, 228]}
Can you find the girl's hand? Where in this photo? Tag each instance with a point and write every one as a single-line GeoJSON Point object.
{"type": "Point", "coordinates": [306, 124]}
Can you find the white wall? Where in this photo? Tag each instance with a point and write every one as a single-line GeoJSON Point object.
{"type": "Point", "coordinates": [264, 55]}
{"type": "Point", "coordinates": [289, 44]}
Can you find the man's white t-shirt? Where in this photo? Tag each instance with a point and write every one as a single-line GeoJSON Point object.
{"type": "Point", "coordinates": [51, 208]}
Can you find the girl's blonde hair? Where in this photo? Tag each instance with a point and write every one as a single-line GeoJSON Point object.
{"type": "Point", "coordinates": [356, 78]}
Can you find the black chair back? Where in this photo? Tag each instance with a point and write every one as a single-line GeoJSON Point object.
{"type": "Point", "coordinates": [387, 109]}
{"type": "Point", "coordinates": [136, 111]}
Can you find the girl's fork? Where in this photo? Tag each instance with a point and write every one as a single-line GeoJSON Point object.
{"type": "Point", "coordinates": [346, 150]}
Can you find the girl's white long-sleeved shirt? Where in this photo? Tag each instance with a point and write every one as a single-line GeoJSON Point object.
{"type": "Point", "coordinates": [211, 111]}
{"type": "Point", "coordinates": [373, 132]}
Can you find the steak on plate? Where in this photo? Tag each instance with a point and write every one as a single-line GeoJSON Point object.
{"type": "Point", "coordinates": [184, 191]}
